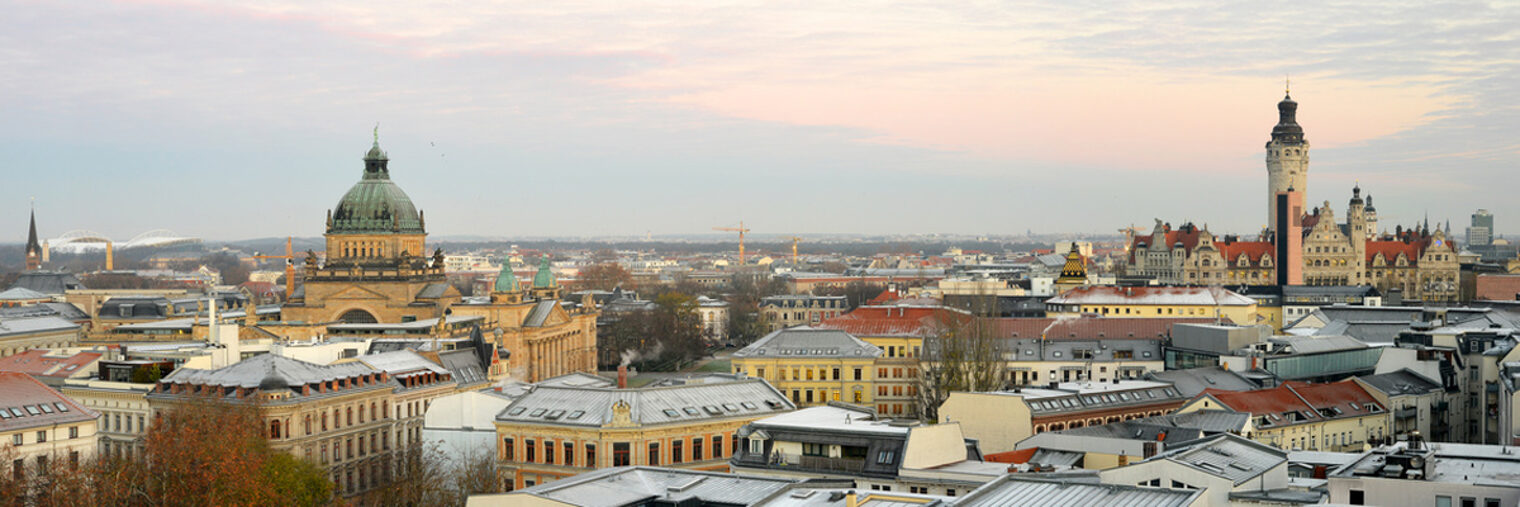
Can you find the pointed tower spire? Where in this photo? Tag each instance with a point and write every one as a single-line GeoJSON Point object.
{"type": "Point", "coordinates": [33, 248]}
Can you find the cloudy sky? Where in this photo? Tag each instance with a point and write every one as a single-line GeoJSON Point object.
{"type": "Point", "coordinates": [575, 118]}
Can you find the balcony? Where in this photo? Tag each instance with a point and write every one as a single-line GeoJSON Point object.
{"type": "Point", "coordinates": [1406, 413]}
{"type": "Point", "coordinates": [819, 463]}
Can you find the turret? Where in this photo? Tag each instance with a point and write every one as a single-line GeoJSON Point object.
{"type": "Point", "coordinates": [33, 248]}
{"type": "Point", "coordinates": [1356, 222]}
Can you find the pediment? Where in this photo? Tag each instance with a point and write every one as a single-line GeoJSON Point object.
{"type": "Point", "coordinates": [355, 292]}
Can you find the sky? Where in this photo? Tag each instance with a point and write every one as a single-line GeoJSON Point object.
{"type": "Point", "coordinates": [239, 120]}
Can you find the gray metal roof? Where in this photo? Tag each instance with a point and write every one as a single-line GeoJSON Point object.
{"type": "Point", "coordinates": [13, 327]}
{"type": "Point", "coordinates": [1316, 344]}
{"type": "Point", "coordinates": [249, 373]}
{"type": "Point", "coordinates": [66, 311]}
{"type": "Point", "coordinates": [593, 406]}
{"type": "Point", "coordinates": [807, 341]}
{"type": "Point", "coordinates": [1056, 458]}
{"type": "Point", "coordinates": [401, 361]}
{"type": "Point", "coordinates": [1011, 490]}
{"type": "Point", "coordinates": [22, 293]}
{"type": "Point", "coordinates": [621, 486]}
{"type": "Point", "coordinates": [464, 364]}
{"type": "Point", "coordinates": [1226, 455]}
{"type": "Point", "coordinates": [540, 313]}
{"type": "Point", "coordinates": [433, 290]}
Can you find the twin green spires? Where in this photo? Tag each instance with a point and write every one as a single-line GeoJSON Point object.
{"type": "Point", "coordinates": [545, 277]}
{"type": "Point", "coordinates": [506, 281]}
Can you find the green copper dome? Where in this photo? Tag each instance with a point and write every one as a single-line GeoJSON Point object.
{"type": "Point", "coordinates": [506, 281]}
{"type": "Point", "coordinates": [375, 204]}
{"type": "Point", "coordinates": [545, 277]}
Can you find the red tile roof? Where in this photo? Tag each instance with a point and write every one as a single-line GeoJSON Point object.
{"type": "Point", "coordinates": [1253, 250]}
{"type": "Point", "coordinates": [1014, 457]}
{"type": "Point", "coordinates": [1300, 396]}
{"type": "Point", "coordinates": [38, 362]}
{"type": "Point", "coordinates": [21, 394]}
{"type": "Point", "coordinates": [891, 320]}
{"type": "Point", "coordinates": [1391, 250]}
{"type": "Point", "coordinates": [883, 298]}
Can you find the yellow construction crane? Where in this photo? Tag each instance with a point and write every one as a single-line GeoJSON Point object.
{"type": "Point", "coordinates": [794, 250]}
{"type": "Point", "coordinates": [741, 230]}
{"type": "Point", "coordinates": [290, 267]}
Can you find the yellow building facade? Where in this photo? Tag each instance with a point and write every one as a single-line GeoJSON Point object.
{"type": "Point", "coordinates": [1155, 302]}
{"type": "Point", "coordinates": [816, 366]}
{"type": "Point", "coordinates": [553, 432]}
{"type": "Point", "coordinates": [1334, 417]}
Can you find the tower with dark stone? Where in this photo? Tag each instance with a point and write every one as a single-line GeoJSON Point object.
{"type": "Point", "coordinates": [1287, 157]}
{"type": "Point", "coordinates": [33, 248]}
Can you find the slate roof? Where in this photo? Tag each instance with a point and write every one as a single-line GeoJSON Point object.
{"type": "Point", "coordinates": [48, 282]}
{"type": "Point", "coordinates": [26, 402]}
{"type": "Point", "coordinates": [807, 341]}
{"type": "Point", "coordinates": [1195, 380]}
{"type": "Point", "coordinates": [1402, 382]}
{"type": "Point", "coordinates": [683, 404]}
{"type": "Point", "coordinates": [464, 364]}
{"type": "Point", "coordinates": [1367, 332]}
{"type": "Point", "coordinates": [1012, 490]}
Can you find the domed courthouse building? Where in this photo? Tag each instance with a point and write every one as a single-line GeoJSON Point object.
{"type": "Point", "coordinates": [378, 273]}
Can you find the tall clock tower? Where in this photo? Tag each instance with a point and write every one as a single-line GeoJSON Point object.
{"type": "Point", "coordinates": [1287, 157]}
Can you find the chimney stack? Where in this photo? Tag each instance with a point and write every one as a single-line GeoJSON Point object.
{"type": "Point", "coordinates": [622, 377]}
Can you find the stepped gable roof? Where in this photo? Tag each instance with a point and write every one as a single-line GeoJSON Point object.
{"type": "Point", "coordinates": [28, 403]}
{"type": "Point", "coordinates": [1188, 235]}
{"type": "Point", "coordinates": [803, 341]}
{"type": "Point", "coordinates": [1090, 328]}
{"type": "Point", "coordinates": [677, 404]}
{"type": "Point", "coordinates": [1253, 250]}
{"type": "Point", "coordinates": [1106, 295]}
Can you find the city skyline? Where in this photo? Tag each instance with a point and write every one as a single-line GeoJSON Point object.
{"type": "Point", "coordinates": [978, 120]}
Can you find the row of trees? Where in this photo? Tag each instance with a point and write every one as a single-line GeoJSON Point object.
{"type": "Point", "coordinates": [213, 452]}
{"type": "Point", "coordinates": [663, 337]}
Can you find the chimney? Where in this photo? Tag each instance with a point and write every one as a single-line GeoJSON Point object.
{"type": "Point", "coordinates": [850, 499]}
{"type": "Point", "coordinates": [622, 377]}
{"type": "Point", "coordinates": [110, 262]}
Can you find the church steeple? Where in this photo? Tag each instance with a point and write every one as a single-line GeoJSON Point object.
{"type": "Point", "coordinates": [33, 248]}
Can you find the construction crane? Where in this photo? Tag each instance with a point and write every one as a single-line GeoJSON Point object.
{"type": "Point", "coordinates": [741, 230]}
{"type": "Point", "coordinates": [794, 250]}
{"type": "Point", "coordinates": [290, 267]}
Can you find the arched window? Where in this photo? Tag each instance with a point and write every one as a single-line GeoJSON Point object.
{"type": "Point", "coordinates": [357, 316]}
